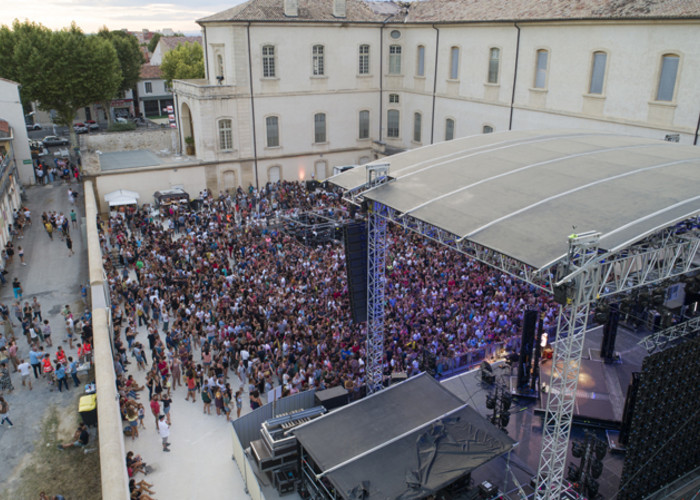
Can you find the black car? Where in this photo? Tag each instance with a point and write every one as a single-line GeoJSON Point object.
{"type": "Point", "coordinates": [33, 126]}
{"type": "Point", "coordinates": [53, 140]}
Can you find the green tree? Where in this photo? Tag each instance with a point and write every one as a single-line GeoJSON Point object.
{"type": "Point", "coordinates": [183, 62]}
{"type": "Point", "coordinates": [154, 42]}
{"type": "Point", "coordinates": [61, 70]}
{"type": "Point", "coordinates": [130, 60]}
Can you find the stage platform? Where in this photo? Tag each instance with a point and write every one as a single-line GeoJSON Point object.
{"type": "Point", "coordinates": [600, 398]}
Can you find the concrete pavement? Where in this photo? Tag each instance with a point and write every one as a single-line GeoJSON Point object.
{"type": "Point", "coordinates": [55, 279]}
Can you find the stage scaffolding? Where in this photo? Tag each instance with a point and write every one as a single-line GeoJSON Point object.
{"type": "Point", "coordinates": [584, 276]}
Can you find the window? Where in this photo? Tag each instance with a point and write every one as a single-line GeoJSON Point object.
{"type": "Point", "coordinates": [541, 69]}
{"type": "Point", "coordinates": [268, 55]}
{"type": "Point", "coordinates": [219, 65]}
{"type": "Point", "coordinates": [667, 78]}
{"type": "Point", "coordinates": [417, 119]}
{"type": "Point", "coordinates": [449, 129]}
{"type": "Point", "coordinates": [363, 68]}
{"type": "Point", "coordinates": [393, 98]}
{"type": "Point", "coordinates": [395, 34]}
{"type": "Point", "coordinates": [318, 60]}
{"type": "Point", "coordinates": [597, 73]}
{"type": "Point", "coordinates": [494, 64]}
{"type": "Point", "coordinates": [274, 174]}
{"type": "Point", "coordinates": [148, 87]}
{"type": "Point", "coordinates": [320, 127]}
{"type": "Point", "coordinates": [273, 131]}
{"type": "Point", "coordinates": [420, 63]}
{"type": "Point", "coordinates": [454, 63]}
{"type": "Point", "coordinates": [487, 129]}
{"type": "Point", "coordinates": [392, 123]}
{"type": "Point", "coordinates": [225, 135]}
{"type": "Point", "coordinates": [395, 59]}
{"type": "Point", "coordinates": [364, 125]}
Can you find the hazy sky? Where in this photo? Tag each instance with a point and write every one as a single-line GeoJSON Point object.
{"type": "Point", "coordinates": [134, 15]}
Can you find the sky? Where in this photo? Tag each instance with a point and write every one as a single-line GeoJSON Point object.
{"type": "Point", "coordinates": [134, 15]}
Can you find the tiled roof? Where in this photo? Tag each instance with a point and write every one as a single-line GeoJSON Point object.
{"type": "Point", "coordinates": [149, 72]}
{"type": "Point", "coordinates": [498, 10]}
{"type": "Point", "coordinates": [170, 42]}
{"type": "Point", "coordinates": [437, 11]}
{"type": "Point", "coordinates": [309, 10]}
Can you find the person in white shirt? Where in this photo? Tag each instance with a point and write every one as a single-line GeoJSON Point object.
{"type": "Point", "coordinates": [164, 431]}
{"type": "Point", "coordinates": [24, 368]}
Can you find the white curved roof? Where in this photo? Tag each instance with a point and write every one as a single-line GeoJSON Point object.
{"type": "Point", "coordinates": [523, 193]}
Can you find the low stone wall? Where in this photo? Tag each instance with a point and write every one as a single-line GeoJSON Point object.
{"type": "Point", "coordinates": [154, 139]}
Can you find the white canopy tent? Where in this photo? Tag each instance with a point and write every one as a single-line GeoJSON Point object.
{"type": "Point", "coordinates": [122, 197]}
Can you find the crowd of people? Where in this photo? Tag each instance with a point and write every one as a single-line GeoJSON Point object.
{"type": "Point", "coordinates": [234, 305]}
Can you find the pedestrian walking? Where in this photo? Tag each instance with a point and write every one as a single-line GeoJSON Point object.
{"type": "Point", "coordinates": [17, 289]}
{"type": "Point", "coordinates": [61, 376]}
{"type": "Point", "coordinates": [73, 218]}
{"type": "Point", "coordinates": [36, 309]}
{"type": "Point", "coordinates": [155, 407]}
{"type": "Point", "coordinates": [73, 370]}
{"type": "Point", "coordinates": [5, 412]}
{"type": "Point", "coordinates": [69, 244]}
{"type": "Point", "coordinates": [164, 431]}
{"type": "Point", "coordinates": [20, 252]}
{"type": "Point", "coordinates": [49, 229]}
{"type": "Point", "coordinates": [24, 370]}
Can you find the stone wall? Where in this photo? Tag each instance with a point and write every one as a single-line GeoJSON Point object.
{"type": "Point", "coordinates": [154, 139]}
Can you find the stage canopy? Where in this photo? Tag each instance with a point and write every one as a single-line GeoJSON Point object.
{"type": "Point", "coordinates": [523, 193]}
{"type": "Point", "coordinates": [406, 442]}
{"type": "Point", "coordinates": [122, 197]}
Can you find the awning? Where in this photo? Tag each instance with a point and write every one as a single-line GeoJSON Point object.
{"type": "Point", "coordinates": [122, 197]}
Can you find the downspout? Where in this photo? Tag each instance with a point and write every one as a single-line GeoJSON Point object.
{"type": "Point", "coordinates": [206, 59]}
{"type": "Point", "coordinates": [515, 76]}
{"type": "Point", "coordinates": [381, 76]}
{"type": "Point", "coordinates": [432, 120]}
{"type": "Point", "coordinates": [252, 106]}
{"type": "Point", "coordinates": [697, 129]}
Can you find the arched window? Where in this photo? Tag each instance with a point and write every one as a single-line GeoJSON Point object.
{"type": "Point", "coordinates": [417, 126]}
{"type": "Point", "coordinates": [541, 69]}
{"type": "Point", "coordinates": [454, 63]}
{"type": "Point", "coordinates": [494, 64]}
{"type": "Point", "coordinates": [364, 125]}
{"type": "Point", "coordinates": [392, 123]}
{"type": "Point", "coordinates": [667, 77]}
{"type": "Point", "coordinates": [272, 131]}
{"type": "Point", "coordinates": [225, 135]}
{"type": "Point", "coordinates": [320, 127]}
{"type": "Point", "coordinates": [219, 65]}
{"type": "Point", "coordinates": [420, 63]}
{"type": "Point", "coordinates": [449, 129]}
{"type": "Point", "coordinates": [598, 73]}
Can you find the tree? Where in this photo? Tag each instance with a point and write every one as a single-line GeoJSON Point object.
{"type": "Point", "coordinates": [61, 70]}
{"type": "Point", "coordinates": [130, 60]}
{"type": "Point", "coordinates": [183, 62]}
{"type": "Point", "coordinates": [154, 42]}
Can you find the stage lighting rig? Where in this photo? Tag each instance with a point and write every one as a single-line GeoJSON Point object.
{"type": "Point", "coordinates": [591, 452]}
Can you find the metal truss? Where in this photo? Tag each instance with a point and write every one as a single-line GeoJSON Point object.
{"type": "Point", "coordinates": [664, 338]}
{"type": "Point", "coordinates": [661, 256]}
{"type": "Point", "coordinates": [566, 363]}
{"type": "Point", "coordinates": [376, 267]}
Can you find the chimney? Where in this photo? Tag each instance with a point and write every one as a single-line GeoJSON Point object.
{"type": "Point", "coordinates": [338, 8]}
{"type": "Point", "coordinates": [291, 8]}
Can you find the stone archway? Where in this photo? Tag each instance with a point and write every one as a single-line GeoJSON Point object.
{"type": "Point", "coordinates": [188, 137]}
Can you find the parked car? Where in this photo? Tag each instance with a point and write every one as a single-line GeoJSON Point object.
{"type": "Point", "coordinates": [120, 119]}
{"type": "Point", "coordinates": [33, 126]}
{"type": "Point", "coordinates": [54, 140]}
{"type": "Point", "coordinates": [92, 125]}
{"type": "Point", "coordinates": [37, 149]}
{"type": "Point", "coordinates": [80, 128]}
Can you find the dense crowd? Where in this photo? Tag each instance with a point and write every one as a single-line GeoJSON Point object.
{"type": "Point", "coordinates": [225, 294]}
